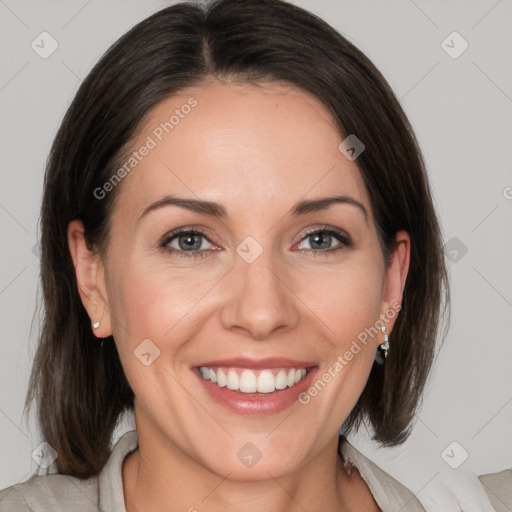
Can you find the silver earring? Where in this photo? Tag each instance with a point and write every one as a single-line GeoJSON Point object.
{"type": "Point", "coordinates": [96, 325]}
{"type": "Point", "coordinates": [384, 346]}
{"type": "Point", "coordinates": [382, 350]}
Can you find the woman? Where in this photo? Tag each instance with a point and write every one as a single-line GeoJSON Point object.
{"type": "Point", "coordinates": [236, 207]}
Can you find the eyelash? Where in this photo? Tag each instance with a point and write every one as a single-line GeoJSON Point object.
{"type": "Point", "coordinates": [339, 235]}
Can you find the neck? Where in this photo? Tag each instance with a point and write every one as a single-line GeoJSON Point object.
{"type": "Point", "coordinates": [160, 476]}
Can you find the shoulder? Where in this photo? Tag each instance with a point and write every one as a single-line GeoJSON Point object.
{"type": "Point", "coordinates": [498, 487]}
{"type": "Point", "coordinates": [388, 492]}
{"type": "Point", "coordinates": [53, 493]}
{"type": "Point", "coordinates": [58, 493]}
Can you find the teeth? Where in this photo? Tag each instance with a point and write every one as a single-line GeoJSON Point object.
{"type": "Point", "coordinates": [249, 381]}
{"type": "Point", "coordinates": [233, 380]}
{"type": "Point", "coordinates": [266, 382]}
{"type": "Point", "coordinates": [221, 378]}
{"type": "Point", "coordinates": [281, 380]}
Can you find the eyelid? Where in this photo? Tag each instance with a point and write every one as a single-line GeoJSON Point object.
{"type": "Point", "coordinates": [186, 229]}
{"type": "Point", "coordinates": [342, 236]}
{"type": "Point", "coordinates": [325, 228]}
{"type": "Point", "coordinates": [191, 228]}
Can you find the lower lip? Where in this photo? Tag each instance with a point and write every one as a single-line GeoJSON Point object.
{"type": "Point", "coordinates": [257, 404]}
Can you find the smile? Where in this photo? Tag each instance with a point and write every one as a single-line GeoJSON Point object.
{"type": "Point", "coordinates": [247, 380]}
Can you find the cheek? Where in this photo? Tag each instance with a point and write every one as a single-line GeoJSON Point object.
{"type": "Point", "coordinates": [153, 299]}
{"type": "Point", "coordinates": [152, 307]}
{"type": "Point", "coordinates": [348, 310]}
{"type": "Point", "coordinates": [346, 299]}
{"type": "Point", "coordinates": [347, 303]}
{"type": "Point", "coordinates": [165, 306]}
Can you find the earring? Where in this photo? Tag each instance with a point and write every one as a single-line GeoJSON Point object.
{"type": "Point", "coordinates": [96, 325]}
{"type": "Point", "coordinates": [382, 350]}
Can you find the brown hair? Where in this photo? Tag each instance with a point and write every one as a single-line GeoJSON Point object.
{"type": "Point", "coordinates": [80, 387]}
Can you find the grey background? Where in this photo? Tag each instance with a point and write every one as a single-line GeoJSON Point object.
{"type": "Point", "coordinates": [461, 110]}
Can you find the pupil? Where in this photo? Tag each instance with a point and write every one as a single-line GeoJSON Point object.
{"type": "Point", "coordinates": [319, 236]}
{"type": "Point", "coordinates": [192, 242]}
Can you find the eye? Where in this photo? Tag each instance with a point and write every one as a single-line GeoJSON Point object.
{"type": "Point", "coordinates": [187, 243]}
{"type": "Point", "coordinates": [320, 240]}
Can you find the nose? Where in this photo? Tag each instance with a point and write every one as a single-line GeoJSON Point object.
{"type": "Point", "coordinates": [259, 299]}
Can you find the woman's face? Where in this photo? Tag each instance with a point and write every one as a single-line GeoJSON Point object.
{"type": "Point", "coordinates": [264, 285]}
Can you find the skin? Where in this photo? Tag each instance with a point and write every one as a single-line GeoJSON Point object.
{"type": "Point", "coordinates": [256, 150]}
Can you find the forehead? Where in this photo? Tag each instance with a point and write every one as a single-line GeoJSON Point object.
{"type": "Point", "coordinates": [250, 148]}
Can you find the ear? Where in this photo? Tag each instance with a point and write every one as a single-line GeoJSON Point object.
{"type": "Point", "coordinates": [90, 277]}
{"type": "Point", "coordinates": [395, 278]}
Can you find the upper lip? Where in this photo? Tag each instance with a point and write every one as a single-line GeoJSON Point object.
{"type": "Point", "coordinates": [257, 363]}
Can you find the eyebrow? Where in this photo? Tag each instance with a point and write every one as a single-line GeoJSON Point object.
{"type": "Point", "coordinates": [217, 210]}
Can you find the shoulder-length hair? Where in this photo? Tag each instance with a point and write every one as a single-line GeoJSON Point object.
{"type": "Point", "coordinates": [80, 387]}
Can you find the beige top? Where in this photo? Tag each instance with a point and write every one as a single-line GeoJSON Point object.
{"type": "Point", "coordinates": [104, 493]}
